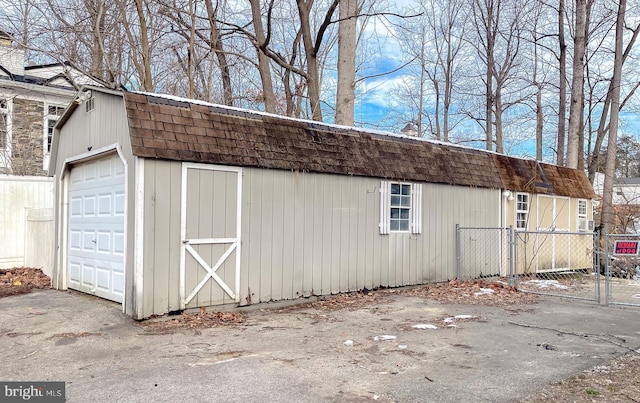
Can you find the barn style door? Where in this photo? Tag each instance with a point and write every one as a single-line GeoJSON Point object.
{"type": "Point", "coordinates": [552, 220]}
{"type": "Point", "coordinates": [210, 226]}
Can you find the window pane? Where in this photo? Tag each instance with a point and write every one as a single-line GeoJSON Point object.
{"type": "Point", "coordinates": [406, 190]}
{"type": "Point", "coordinates": [395, 200]}
{"type": "Point", "coordinates": [404, 214]}
{"type": "Point", "coordinates": [406, 202]}
{"type": "Point", "coordinates": [582, 207]}
{"type": "Point", "coordinates": [404, 225]}
{"type": "Point", "coordinates": [395, 188]}
{"type": "Point", "coordinates": [395, 213]}
{"type": "Point", "coordinates": [395, 225]}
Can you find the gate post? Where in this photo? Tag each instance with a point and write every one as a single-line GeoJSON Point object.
{"type": "Point", "coordinates": [458, 252]}
{"type": "Point", "coordinates": [607, 271]}
{"type": "Point", "coordinates": [597, 262]}
{"type": "Point", "coordinates": [513, 277]}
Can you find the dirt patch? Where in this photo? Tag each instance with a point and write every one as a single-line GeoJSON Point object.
{"type": "Point", "coordinates": [616, 381]}
{"type": "Point", "coordinates": [351, 301]}
{"type": "Point", "coordinates": [195, 321]}
{"type": "Point", "coordinates": [22, 280]}
{"type": "Point", "coordinates": [472, 292]}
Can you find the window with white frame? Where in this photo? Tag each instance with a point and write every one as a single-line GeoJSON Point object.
{"type": "Point", "coordinates": [583, 224]}
{"type": "Point", "coordinates": [52, 114]}
{"type": "Point", "coordinates": [5, 123]}
{"type": "Point", "coordinates": [400, 207]}
{"type": "Point", "coordinates": [522, 210]}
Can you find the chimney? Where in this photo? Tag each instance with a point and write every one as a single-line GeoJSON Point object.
{"type": "Point", "coordinates": [11, 58]}
{"type": "Point", "coordinates": [409, 130]}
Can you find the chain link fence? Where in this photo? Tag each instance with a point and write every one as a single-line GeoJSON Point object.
{"type": "Point", "coordinates": [483, 253]}
{"type": "Point", "coordinates": [621, 266]}
{"type": "Point", "coordinates": [557, 263]}
{"type": "Point", "coordinates": [541, 262]}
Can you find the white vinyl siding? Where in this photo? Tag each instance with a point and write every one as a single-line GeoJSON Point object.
{"type": "Point", "coordinates": [400, 207]}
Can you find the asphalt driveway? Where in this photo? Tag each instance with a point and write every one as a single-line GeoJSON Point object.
{"type": "Point", "coordinates": [404, 349]}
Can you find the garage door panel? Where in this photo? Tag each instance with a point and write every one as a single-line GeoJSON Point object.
{"type": "Point", "coordinates": [74, 272]}
{"type": "Point", "coordinates": [74, 240]}
{"type": "Point", "coordinates": [96, 228]}
{"type": "Point", "coordinates": [87, 274]}
{"type": "Point", "coordinates": [119, 204]}
{"type": "Point", "coordinates": [89, 206]}
{"type": "Point", "coordinates": [103, 243]}
{"type": "Point", "coordinates": [118, 243]}
{"type": "Point", "coordinates": [103, 277]}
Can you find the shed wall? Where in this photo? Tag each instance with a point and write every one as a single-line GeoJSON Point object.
{"type": "Point", "coordinates": [83, 135]}
{"type": "Point", "coordinates": [305, 234]}
{"type": "Point", "coordinates": [318, 234]}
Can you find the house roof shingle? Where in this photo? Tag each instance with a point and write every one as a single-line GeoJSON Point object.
{"type": "Point", "coordinates": [176, 129]}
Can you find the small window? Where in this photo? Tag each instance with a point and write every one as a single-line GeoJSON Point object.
{"type": "Point", "coordinates": [522, 211]}
{"type": "Point", "coordinates": [53, 113]}
{"type": "Point", "coordinates": [90, 104]}
{"type": "Point", "coordinates": [400, 207]}
{"type": "Point", "coordinates": [5, 122]}
{"type": "Point", "coordinates": [583, 224]}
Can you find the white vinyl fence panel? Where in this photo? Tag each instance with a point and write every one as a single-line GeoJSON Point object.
{"type": "Point", "coordinates": [39, 240]}
{"type": "Point", "coordinates": [18, 195]}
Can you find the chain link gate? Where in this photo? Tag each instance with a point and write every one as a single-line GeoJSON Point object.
{"type": "Point", "coordinates": [621, 266]}
{"type": "Point", "coordinates": [542, 262]}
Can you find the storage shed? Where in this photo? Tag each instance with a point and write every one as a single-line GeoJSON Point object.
{"type": "Point", "coordinates": [166, 203]}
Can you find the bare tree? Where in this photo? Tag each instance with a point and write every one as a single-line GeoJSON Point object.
{"type": "Point", "coordinates": [264, 65]}
{"type": "Point", "coordinates": [499, 34]}
{"type": "Point", "coordinates": [562, 85]}
{"type": "Point", "coordinates": [607, 197]}
{"type": "Point", "coordinates": [345, 88]}
{"type": "Point", "coordinates": [577, 84]}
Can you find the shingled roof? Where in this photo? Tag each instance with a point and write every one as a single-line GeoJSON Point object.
{"type": "Point", "coordinates": [193, 131]}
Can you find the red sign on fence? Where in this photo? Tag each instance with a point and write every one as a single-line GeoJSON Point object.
{"type": "Point", "coordinates": [626, 248]}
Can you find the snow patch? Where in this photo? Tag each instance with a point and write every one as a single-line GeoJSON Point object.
{"type": "Point", "coordinates": [547, 284]}
{"type": "Point", "coordinates": [484, 291]}
{"type": "Point", "coordinates": [424, 326]}
{"type": "Point", "coordinates": [384, 337]}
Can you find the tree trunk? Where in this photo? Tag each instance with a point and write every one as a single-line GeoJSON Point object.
{"type": "Point", "coordinates": [218, 47]}
{"type": "Point", "coordinates": [489, 104]}
{"type": "Point", "coordinates": [562, 96]}
{"type": "Point", "coordinates": [498, 113]}
{"type": "Point", "coordinates": [607, 196]}
{"type": "Point", "coordinates": [145, 51]}
{"type": "Point", "coordinates": [191, 51]}
{"type": "Point", "coordinates": [313, 75]}
{"type": "Point", "coordinates": [345, 91]}
{"type": "Point", "coordinates": [264, 65]}
{"type": "Point", "coordinates": [539, 122]}
{"type": "Point", "coordinates": [577, 86]}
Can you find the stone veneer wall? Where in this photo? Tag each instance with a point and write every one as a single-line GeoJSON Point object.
{"type": "Point", "coordinates": [27, 137]}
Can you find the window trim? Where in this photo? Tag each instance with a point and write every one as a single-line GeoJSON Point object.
{"type": "Point", "coordinates": [415, 208]}
{"type": "Point", "coordinates": [582, 217]}
{"type": "Point", "coordinates": [520, 211]}
{"type": "Point", "coordinates": [47, 118]}
{"type": "Point", "coordinates": [6, 150]}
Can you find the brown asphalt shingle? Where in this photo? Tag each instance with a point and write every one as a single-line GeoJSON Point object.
{"type": "Point", "coordinates": [180, 130]}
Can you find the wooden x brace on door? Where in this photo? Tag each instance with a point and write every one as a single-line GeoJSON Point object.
{"type": "Point", "coordinates": [211, 271]}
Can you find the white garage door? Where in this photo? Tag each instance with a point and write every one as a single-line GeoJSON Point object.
{"type": "Point", "coordinates": [96, 228]}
